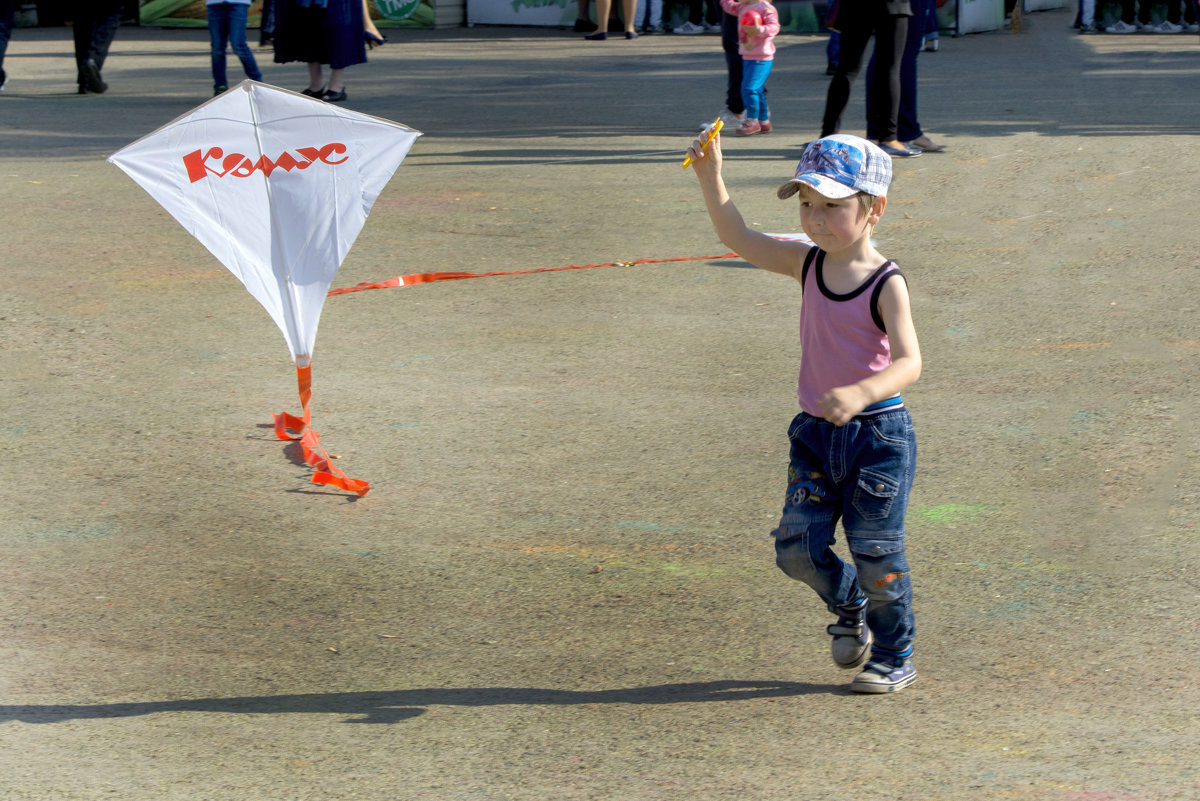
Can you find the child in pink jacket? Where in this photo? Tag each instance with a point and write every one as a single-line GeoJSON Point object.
{"type": "Point", "coordinates": [758, 23]}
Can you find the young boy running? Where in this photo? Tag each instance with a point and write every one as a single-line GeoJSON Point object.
{"type": "Point", "coordinates": [853, 451]}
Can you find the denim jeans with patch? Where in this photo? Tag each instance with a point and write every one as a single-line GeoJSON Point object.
{"type": "Point", "coordinates": [860, 474]}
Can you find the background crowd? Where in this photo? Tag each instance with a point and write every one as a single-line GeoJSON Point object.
{"type": "Point", "coordinates": [329, 36]}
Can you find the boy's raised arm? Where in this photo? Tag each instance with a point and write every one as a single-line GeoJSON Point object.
{"type": "Point", "coordinates": [755, 247]}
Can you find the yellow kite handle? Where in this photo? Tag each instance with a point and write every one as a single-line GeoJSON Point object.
{"type": "Point", "coordinates": [713, 130]}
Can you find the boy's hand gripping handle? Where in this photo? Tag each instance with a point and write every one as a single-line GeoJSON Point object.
{"type": "Point", "coordinates": [713, 130]}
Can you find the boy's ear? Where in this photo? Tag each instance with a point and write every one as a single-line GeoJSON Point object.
{"type": "Point", "coordinates": [877, 207]}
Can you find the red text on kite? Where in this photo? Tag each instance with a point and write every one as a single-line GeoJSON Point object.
{"type": "Point", "coordinates": [202, 163]}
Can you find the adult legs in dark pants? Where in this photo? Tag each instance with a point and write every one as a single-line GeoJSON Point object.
{"type": "Point", "coordinates": [94, 24]}
{"type": "Point", "coordinates": [890, 32]}
{"type": "Point", "coordinates": [908, 128]}
{"type": "Point", "coordinates": [733, 65]}
{"type": "Point", "coordinates": [266, 25]}
{"type": "Point", "coordinates": [8, 14]}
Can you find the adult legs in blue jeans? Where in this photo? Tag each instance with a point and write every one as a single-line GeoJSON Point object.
{"type": "Point", "coordinates": [227, 25]}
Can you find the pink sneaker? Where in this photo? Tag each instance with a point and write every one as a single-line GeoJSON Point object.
{"type": "Point", "coordinates": [765, 126]}
{"type": "Point", "coordinates": [750, 126]}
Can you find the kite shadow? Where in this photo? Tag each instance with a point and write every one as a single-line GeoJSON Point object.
{"type": "Point", "coordinates": [393, 706]}
{"type": "Point", "coordinates": [291, 448]}
{"type": "Point", "coordinates": [294, 453]}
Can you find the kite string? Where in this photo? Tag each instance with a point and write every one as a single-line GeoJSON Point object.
{"type": "Point", "coordinates": [426, 278]}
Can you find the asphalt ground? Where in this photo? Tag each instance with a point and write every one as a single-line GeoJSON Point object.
{"type": "Point", "coordinates": [561, 584]}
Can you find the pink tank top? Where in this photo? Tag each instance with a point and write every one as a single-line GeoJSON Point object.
{"type": "Point", "coordinates": [842, 337]}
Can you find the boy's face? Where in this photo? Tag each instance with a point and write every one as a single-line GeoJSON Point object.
{"type": "Point", "coordinates": [835, 223]}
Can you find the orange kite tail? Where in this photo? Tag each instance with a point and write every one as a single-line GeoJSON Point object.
{"type": "Point", "coordinates": [310, 445]}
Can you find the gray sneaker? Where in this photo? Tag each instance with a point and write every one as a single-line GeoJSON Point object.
{"type": "Point", "coordinates": [1166, 26]}
{"type": "Point", "coordinates": [885, 676]}
{"type": "Point", "coordinates": [851, 637]}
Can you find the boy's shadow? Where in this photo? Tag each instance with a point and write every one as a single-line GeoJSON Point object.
{"type": "Point", "coordinates": [392, 706]}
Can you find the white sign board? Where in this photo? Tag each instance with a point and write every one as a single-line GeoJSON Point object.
{"type": "Point", "coordinates": [976, 16]}
{"type": "Point", "coordinates": [551, 13]}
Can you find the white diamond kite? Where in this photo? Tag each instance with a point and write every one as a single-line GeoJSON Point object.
{"type": "Point", "coordinates": [277, 186]}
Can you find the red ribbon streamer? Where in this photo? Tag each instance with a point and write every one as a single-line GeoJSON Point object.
{"type": "Point", "coordinates": [428, 278]}
{"type": "Point", "coordinates": [310, 446]}
{"type": "Point", "coordinates": [314, 455]}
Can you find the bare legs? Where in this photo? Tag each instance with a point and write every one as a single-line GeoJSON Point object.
{"type": "Point", "coordinates": [628, 9]}
{"type": "Point", "coordinates": [316, 78]}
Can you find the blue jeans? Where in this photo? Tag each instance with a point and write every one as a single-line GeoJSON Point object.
{"type": "Point", "coordinates": [754, 78]}
{"type": "Point", "coordinates": [859, 473]}
{"type": "Point", "coordinates": [227, 25]}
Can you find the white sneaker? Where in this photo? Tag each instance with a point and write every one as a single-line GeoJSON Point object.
{"type": "Point", "coordinates": [688, 29]}
{"type": "Point", "coordinates": [1120, 26]}
{"type": "Point", "coordinates": [729, 117]}
{"type": "Point", "coordinates": [1193, 27]}
{"type": "Point", "coordinates": [1166, 26]}
{"type": "Point", "coordinates": [885, 676]}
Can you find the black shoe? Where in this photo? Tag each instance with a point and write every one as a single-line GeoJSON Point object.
{"type": "Point", "coordinates": [585, 26]}
{"type": "Point", "coordinates": [851, 638]}
{"type": "Point", "coordinates": [91, 78]}
{"type": "Point", "coordinates": [317, 93]}
{"type": "Point", "coordinates": [266, 40]}
{"type": "Point", "coordinates": [334, 97]}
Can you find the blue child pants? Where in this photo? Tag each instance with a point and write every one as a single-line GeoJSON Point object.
{"type": "Point", "coordinates": [860, 474]}
{"type": "Point", "coordinates": [227, 25]}
{"type": "Point", "coordinates": [754, 79]}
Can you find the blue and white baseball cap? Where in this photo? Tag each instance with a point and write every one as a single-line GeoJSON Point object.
{"type": "Point", "coordinates": [840, 166]}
